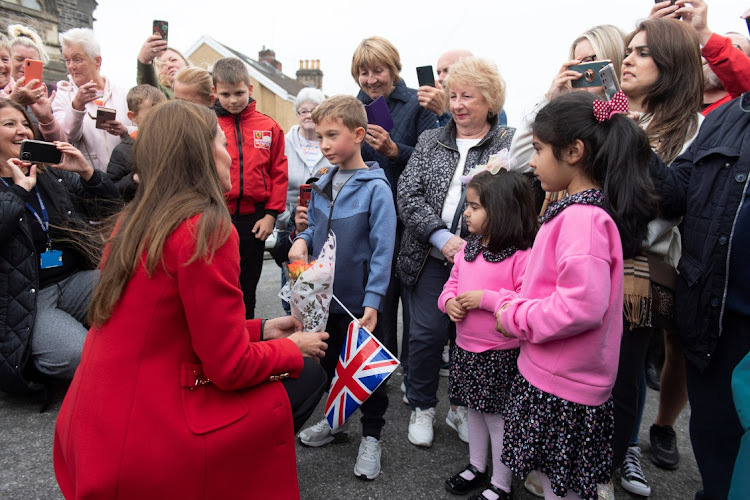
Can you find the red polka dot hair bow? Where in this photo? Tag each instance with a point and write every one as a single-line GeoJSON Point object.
{"type": "Point", "coordinates": [604, 110]}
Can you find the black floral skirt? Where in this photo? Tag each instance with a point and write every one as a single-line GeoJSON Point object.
{"type": "Point", "coordinates": [569, 442]}
{"type": "Point", "coordinates": [482, 380]}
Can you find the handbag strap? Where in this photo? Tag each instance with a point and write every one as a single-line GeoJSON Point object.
{"type": "Point", "coordinates": [459, 211]}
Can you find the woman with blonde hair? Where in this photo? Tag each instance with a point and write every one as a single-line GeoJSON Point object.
{"type": "Point", "coordinates": [25, 43]}
{"type": "Point", "coordinates": [200, 411]}
{"type": "Point", "coordinates": [195, 85]}
{"type": "Point", "coordinates": [158, 64]}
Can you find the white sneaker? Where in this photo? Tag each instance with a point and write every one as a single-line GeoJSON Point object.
{"type": "Point", "coordinates": [633, 478]}
{"type": "Point", "coordinates": [445, 367]}
{"type": "Point", "coordinates": [458, 420]}
{"type": "Point", "coordinates": [446, 354]}
{"type": "Point", "coordinates": [533, 484]}
{"type": "Point", "coordinates": [368, 458]}
{"type": "Point", "coordinates": [420, 427]}
{"type": "Point", "coordinates": [321, 434]}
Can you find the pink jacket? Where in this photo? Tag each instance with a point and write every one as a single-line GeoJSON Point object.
{"type": "Point", "coordinates": [568, 314]}
{"type": "Point", "coordinates": [476, 333]}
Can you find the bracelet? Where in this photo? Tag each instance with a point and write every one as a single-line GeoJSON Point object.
{"type": "Point", "coordinates": [262, 328]}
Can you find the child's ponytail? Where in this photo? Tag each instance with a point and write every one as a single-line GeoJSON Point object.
{"type": "Point", "coordinates": [616, 156]}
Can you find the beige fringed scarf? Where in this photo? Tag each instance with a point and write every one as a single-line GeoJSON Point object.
{"type": "Point", "coordinates": [637, 288]}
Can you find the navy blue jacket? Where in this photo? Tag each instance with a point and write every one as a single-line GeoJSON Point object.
{"type": "Point", "coordinates": [363, 218]}
{"type": "Point", "coordinates": [707, 185]}
{"type": "Point", "coordinates": [410, 120]}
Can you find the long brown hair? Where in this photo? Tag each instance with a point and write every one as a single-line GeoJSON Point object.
{"type": "Point", "coordinates": [174, 160]}
{"type": "Point", "coordinates": [675, 99]}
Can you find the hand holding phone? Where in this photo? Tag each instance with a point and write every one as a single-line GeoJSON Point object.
{"type": "Point", "coordinates": [32, 70]}
{"type": "Point", "coordinates": [609, 81]}
{"type": "Point", "coordinates": [40, 152]}
{"type": "Point", "coordinates": [305, 193]}
{"type": "Point", "coordinates": [161, 28]}
{"type": "Point", "coordinates": [425, 76]}
{"type": "Point", "coordinates": [104, 115]}
{"type": "Point", "coordinates": [590, 74]}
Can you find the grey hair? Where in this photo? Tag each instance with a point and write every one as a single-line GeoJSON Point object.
{"type": "Point", "coordinates": [83, 37]}
{"type": "Point", "coordinates": [309, 94]}
{"type": "Point", "coordinates": [28, 37]}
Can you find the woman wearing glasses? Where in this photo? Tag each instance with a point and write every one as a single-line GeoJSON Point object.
{"type": "Point", "coordinates": [78, 99]}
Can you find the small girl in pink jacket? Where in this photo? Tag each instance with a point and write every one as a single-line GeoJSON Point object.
{"type": "Point", "coordinates": [500, 214]}
{"type": "Point", "coordinates": [568, 314]}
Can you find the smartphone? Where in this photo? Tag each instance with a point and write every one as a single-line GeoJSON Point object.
{"type": "Point", "coordinates": [747, 21]}
{"type": "Point", "coordinates": [104, 115]}
{"type": "Point", "coordinates": [305, 193]}
{"type": "Point", "coordinates": [161, 28]}
{"type": "Point", "coordinates": [32, 70]}
{"type": "Point", "coordinates": [425, 76]}
{"type": "Point", "coordinates": [590, 72]}
{"type": "Point", "coordinates": [609, 81]}
{"type": "Point", "coordinates": [40, 152]}
{"type": "Point", "coordinates": [660, 1]}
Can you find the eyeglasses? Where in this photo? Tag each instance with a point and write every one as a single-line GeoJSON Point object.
{"type": "Point", "coordinates": [305, 112]}
{"type": "Point", "coordinates": [588, 59]}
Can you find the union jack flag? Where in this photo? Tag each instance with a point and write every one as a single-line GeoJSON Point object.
{"type": "Point", "coordinates": [363, 365]}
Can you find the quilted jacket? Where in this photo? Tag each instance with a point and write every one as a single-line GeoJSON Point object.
{"type": "Point", "coordinates": [19, 263]}
{"type": "Point", "coordinates": [424, 185]}
{"type": "Point", "coordinates": [410, 120]}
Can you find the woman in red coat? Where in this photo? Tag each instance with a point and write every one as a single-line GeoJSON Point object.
{"type": "Point", "coordinates": [177, 395]}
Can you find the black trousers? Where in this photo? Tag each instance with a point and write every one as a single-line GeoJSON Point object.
{"type": "Point", "coordinates": [305, 391]}
{"type": "Point", "coordinates": [626, 391]}
{"type": "Point", "coordinates": [373, 409]}
{"type": "Point", "coordinates": [251, 257]}
{"type": "Point", "coordinates": [715, 430]}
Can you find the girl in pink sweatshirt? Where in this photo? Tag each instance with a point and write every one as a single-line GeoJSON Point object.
{"type": "Point", "coordinates": [568, 313]}
{"type": "Point", "coordinates": [500, 214]}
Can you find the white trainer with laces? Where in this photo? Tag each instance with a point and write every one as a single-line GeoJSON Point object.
{"type": "Point", "coordinates": [632, 477]}
{"type": "Point", "coordinates": [368, 458]}
{"type": "Point", "coordinates": [420, 427]}
{"type": "Point", "coordinates": [458, 420]}
{"type": "Point", "coordinates": [321, 434]}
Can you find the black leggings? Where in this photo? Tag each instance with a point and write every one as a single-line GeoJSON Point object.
{"type": "Point", "coordinates": [305, 391]}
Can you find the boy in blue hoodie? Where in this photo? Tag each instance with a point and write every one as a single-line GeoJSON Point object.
{"type": "Point", "coordinates": [353, 200]}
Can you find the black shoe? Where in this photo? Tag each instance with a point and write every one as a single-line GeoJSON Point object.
{"type": "Point", "coordinates": [664, 452]}
{"type": "Point", "coordinates": [494, 489]}
{"type": "Point", "coordinates": [653, 377]}
{"type": "Point", "coordinates": [460, 486]}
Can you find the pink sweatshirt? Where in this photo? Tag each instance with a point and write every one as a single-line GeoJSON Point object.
{"type": "Point", "coordinates": [476, 332]}
{"type": "Point", "coordinates": [568, 314]}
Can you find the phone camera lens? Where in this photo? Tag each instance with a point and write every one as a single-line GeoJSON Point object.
{"type": "Point", "coordinates": [25, 155]}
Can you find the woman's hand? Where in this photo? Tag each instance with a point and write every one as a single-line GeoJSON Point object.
{"type": "Point", "coordinates": [370, 319]}
{"type": "Point", "coordinates": [42, 108]}
{"type": "Point", "coordinates": [281, 328]}
{"type": "Point", "coordinates": [454, 310]}
{"type": "Point", "coordinates": [561, 84]}
{"type": "Point", "coordinates": [300, 217]}
{"type": "Point", "coordinates": [311, 344]}
{"type": "Point", "coordinates": [298, 250]}
{"type": "Point", "coordinates": [695, 13]}
{"type": "Point", "coordinates": [381, 141]}
{"type": "Point", "coordinates": [13, 169]}
{"type": "Point", "coordinates": [452, 247]}
{"type": "Point", "coordinates": [470, 300]}
{"type": "Point", "coordinates": [24, 94]}
{"type": "Point", "coordinates": [499, 324]}
{"type": "Point", "coordinates": [86, 93]}
{"type": "Point", "coordinates": [432, 99]}
{"type": "Point", "coordinates": [664, 9]}
{"type": "Point", "coordinates": [115, 128]}
{"type": "Point", "coordinates": [73, 161]}
{"type": "Point", "coordinates": [151, 48]}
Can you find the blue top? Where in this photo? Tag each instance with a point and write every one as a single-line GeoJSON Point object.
{"type": "Point", "coordinates": [363, 218]}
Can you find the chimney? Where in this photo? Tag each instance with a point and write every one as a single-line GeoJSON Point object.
{"type": "Point", "coordinates": [269, 56]}
{"type": "Point", "coordinates": [310, 74]}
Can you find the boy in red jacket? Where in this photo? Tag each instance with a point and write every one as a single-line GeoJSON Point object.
{"type": "Point", "coordinates": [259, 169]}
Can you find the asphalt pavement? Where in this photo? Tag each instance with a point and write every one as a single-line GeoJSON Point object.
{"type": "Point", "coordinates": [408, 472]}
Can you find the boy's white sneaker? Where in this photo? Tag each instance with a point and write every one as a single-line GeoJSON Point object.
{"type": "Point", "coordinates": [420, 427]}
{"type": "Point", "coordinates": [368, 458]}
{"type": "Point", "coordinates": [321, 434]}
{"type": "Point", "coordinates": [458, 420]}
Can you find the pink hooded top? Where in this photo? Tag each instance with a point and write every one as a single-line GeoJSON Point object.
{"type": "Point", "coordinates": [476, 332]}
{"type": "Point", "coordinates": [568, 315]}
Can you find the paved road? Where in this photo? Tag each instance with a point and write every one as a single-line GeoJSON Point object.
{"type": "Point", "coordinates": [324, 473]}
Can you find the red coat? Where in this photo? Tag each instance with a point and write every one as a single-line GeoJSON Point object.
{"type": "Point", "coordinates": [135, 425]}
{"type": "Point", "coordinates": [259, 169]}
{"type": "Point", "coordinates": [730, 64]}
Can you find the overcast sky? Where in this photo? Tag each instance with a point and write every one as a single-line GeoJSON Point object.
{"type": "Point", "coordinates": [528, 40]}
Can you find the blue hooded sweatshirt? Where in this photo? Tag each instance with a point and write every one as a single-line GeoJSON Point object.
{"type": "Point", "coordinates": [363, 218]}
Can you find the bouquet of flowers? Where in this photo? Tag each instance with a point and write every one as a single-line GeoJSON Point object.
{"type": "Point", "coordinates": [500, 160]}
{"type": "Point", "coordinates": [309, 287]}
